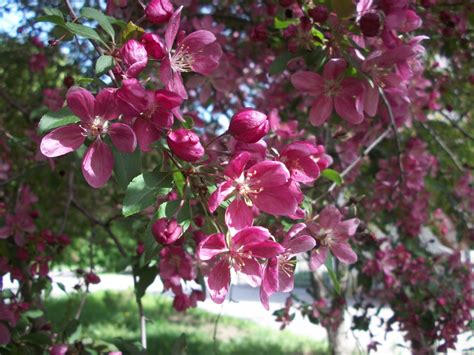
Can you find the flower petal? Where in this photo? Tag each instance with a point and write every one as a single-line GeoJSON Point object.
{"type": "Point", "coordinates": [196, 41]}
{"type": "Point", "coordinates": [206, 61]}
{"type": "Point", "coordinates": [334, 68]}
{"type": "Point", "coordinates": [318, 258]}
{"type": "Point", "coordinates": [252, 271]}
{"type": "Point", "coordinates": [223, 191]}
{"type": "Point", "coordinates": [267, 174]}
{"type": "Point", "coordinates": [123, 137]}
{"type": "Point", "coordinates": [238, 215]}
{"type": "Point", "coordinates": [146, 134]}
{"type": "Point", "coordinates": [300, 244]}
{"type": "Point", "coordinates": [211, 246]}
{"type": "Point", "coordinates": [106, 104]}
{"type": "Point", "coordinates": [97, 164]}
{"type": "Point", "coordinates": [344, 252]}
{"type": "Point", "coordinates": [309, 82]}
{"type": "Point", "coordinates": [219, 280]}
{"type": "Point", "coordinates": [81, 102]}
{"type": "Point", "coordinates": [172, 28]}
{"type": "Point", "coordinates": [62, 140]}
{"type": "Point", "coordinates": [321, 110]}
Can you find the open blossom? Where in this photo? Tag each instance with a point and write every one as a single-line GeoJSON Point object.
{"type": "Point", "coordinates": [241, 252]}
{"type": "Point", "coordinates": [176, 264]}
{"type": "Point", "coordinates": [332, 234]}
{"type": "Point", "coordinates": [305, 161]}
{"type": "Point", "coordinates": [332, 90]}
{"type": "Point", "coordinates": [95, 114]}
{"type": "Point", "coordinates": [266, 184]}
{"type": "Point", "coordinates": [197, 52]}
{"type": "Point", "coordinates": [278, 275]}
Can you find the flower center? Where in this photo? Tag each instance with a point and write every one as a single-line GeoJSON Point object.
{"type": "Point", "coordinates": [98, 127]}
{"type": "Point", "coordinates": [181, 60]}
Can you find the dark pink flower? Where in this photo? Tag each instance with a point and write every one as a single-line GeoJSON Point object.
{"type": "Point", "coordinates": [166, 231]}
{"type": "Point", "coordinates": [249, 125]}
{"type": "Point", "coordinates": [58, 349]}
{"type": "Point", "coordinates": [95, 114]}
{"type": "Point", "coordinates": [159, 11]}
{"type": "Point", "coordinates": [278, 275]}
{"type": "Point", "coordinates": [198, 52]}
{"type": "Point", "coordinates": [92, 278]}
{"type": "Point", "coordinates": [175, 264]}
{"type": "Point", "coordinates": [305, 161]}
{"type": "Point", "coordinates": [241, 252]}
{"type": "Point", "coordinates": [185, 144]}
{"type": "Point", "coordinates": [266, 185]}
{"type": "Point", "coordinates": [154, 45]}
{"type": "Point", "coordinates": [135, 58]}
{"type": "Point", "coordinates": [332, 234]}
{"type": "Point", "coordinates": [332, 90]}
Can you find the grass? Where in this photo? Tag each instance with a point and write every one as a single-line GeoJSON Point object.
{"type": "Point", "coordinates": [110, 315]}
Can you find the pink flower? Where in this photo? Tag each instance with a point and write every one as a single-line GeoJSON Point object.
{"type": "Point", "coordinates": [159, 11]}
{"type": "Point", "coordinates": [166, 231]}
{"type": "Point", "coordinates": [198, 52]}
{"type": "Point", "coordinates": [151, 110]}
{"type": "Point", "coordinates": [332, 234]}
{"type": "Point", "coordinates": [58, 349]}
{"type": "Point", "coordinates": [135, 58]}
{"type": "Point", "coordinates": [278, 275]}
{"type": "Point", "coordinates": [175, 264]}
{"type": "Point", "coordinates": [266, 185]}
{"type": "Point", "coordinates": [330, 90]}
{"type": "Point", "coordinates": [154, 46]}
{"type": "Point", "coordinates": [185, 145]}
{"type": "Point", "coordinates": [95, 114]}
{"type": "Point", "coordinates": [241, 252]}
{"type": "Point", "coordinates": [17, 225]}
{"type": "Point", "coordinates": [305, 161]}
{"type": "Point", "coordinates": [92, 278]}
{"type": "Point", "coordinates": [249, 125]}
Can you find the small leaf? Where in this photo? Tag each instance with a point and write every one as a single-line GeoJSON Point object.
{"type": "Point", "coordinates": [279, 64]}
{"type": "Point", "coordinates": [71, 328]}
{"type": "Point", "coordinates": [33, 313]}
{"type": "Point", "coordinates": [179, 181]}
{"type": "Point", "coordinates": [143, 190]}
{"type": "Point", "coordinates": [103, 20]}
{"type": "Point", "coordinates": [132, 31]}
{"type": "Point", "coordinates": [84, 32]}
{"type": "Point", "coordinates": [61, 287]}
{"type": "Point", "coordinates": [188, 123]}
{"type": "Point", "coordinates": [51, 120]}
{"type": "Point", "coordinates": [332, 273]}
{"type": "Point", "coordinates": [146, 276]}
{"type": "Point", "coordinates": [332, 175]}
{"type": "Point", "coordinates": [50, 11]}
{"type": "Point", "coordinates": [126, 166]}
{"type": "Point", "coordinates": [57, 20]}
{"type": "Point", "coordinates": [104, 63]}
{"type": "Point", "coordinates": [282, 24]}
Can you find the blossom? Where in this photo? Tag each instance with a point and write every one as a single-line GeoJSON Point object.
{"type": "Point", "coordinates": [330, 90]}
{"type": "Point", "coordinates": [249, 125]}
{"type": "Point", "coordinates": [198, 52]}
{"type": "Point", "coordinates": [278, 275]}
{"type": "Point", "coordinates": [332, 234]}
{"type": "Point", "coordinates": [241, 252]}
{"type": "Point", "coordinates": [159, 11]}
{"type": "Point", "coordinates": [134, 57]}
{"type": "Point", "coordinates": [95, 114]}
{"type": "Point", "coordinates": [166, 231]}
{"type": "Point", "coordinates": [175, 264]}
{"type": "Point", "coordinates": [266, 185]}
{"type": "Point", "coordinates": [185, 144]}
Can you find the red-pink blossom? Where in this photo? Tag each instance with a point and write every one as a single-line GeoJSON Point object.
{"type": "Point", "coordinates": [134, 57]}
{"type": "Point", "coordinates": [249, 125]}
{"type": "Point", "coordinates": [166, 231]}
{"type": "Point", "coordinates": [159, 11]}
{"type": "Point", "coordinates": [185, 144]}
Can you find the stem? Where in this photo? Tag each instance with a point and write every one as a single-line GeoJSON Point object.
{"type": "Point", "coordinates": [215, 139]}
{"type": "Point", "coordinates": [457, 126]}
{"type": "Point", "coordinates": [141, 313]}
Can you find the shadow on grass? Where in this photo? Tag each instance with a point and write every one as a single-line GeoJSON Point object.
{"type": "Point", "coordinates": [107, 316]}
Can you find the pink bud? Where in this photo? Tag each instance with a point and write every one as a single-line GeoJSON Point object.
{"type": "Point", "coordinates": [159, 11]}
{"type": "Point", "coordinates": [166, 231]}
{"type": "Point", "coordinates": [140, 248]}
{"type": "Point", "coordinates": [92, 278]}
{"type": "Point", "coordinates": [249, 125]}
{"type": "Point", "coordinates": [58, 349]}
{"type": "Point", "coordinates": [135, 57]}
{"type": "Point", "coordinates": [319, 13]}
{"type": "Point", "coordinates": [370, 24]}
{"type": "Point", "coordinates": [185, 144]}
{"type": "Point", "coordinates": [154, 45]}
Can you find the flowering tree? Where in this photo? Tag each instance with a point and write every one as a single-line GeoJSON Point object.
{"type": "Point", "coordinates": [193, 141]}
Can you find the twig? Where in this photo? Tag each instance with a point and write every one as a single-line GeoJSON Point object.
{"type": "Point", "coordinates": [457, 126]}
{"type": "Point", "coordinates": [216, 325]}
{"type": "Point", "coordinates": [141, 313]}
{"type": "Point", "coordinates": [105, 226]}
{"type": "Point", "coordinates": [443, 146]}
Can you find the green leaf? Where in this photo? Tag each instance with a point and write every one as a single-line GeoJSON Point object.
{"type": "Point", "coordinates": [103, 20]}
{"type": "Point", "coordinates": [104, 64]}
{"type": "Point", "coordinates": [84, 32]}
{"type": "Point", "coordinates": [146, 276]}
{"type": "Point", "coordinates": [132, 31]}
{"type": "Point", "coordinates": [179, 181]}
{"type": "Point", "coordinates": [33, 313]}
{"type": "Point", "coordinates": [282, 24]}
{"type": "Point", "coordinates": [143, 190]}
{"type": "Point", "coordinates": [57, 20]}
{"type": "Point", "coordinates": [62, 287]}
{"type": "Point", "coordinates": [126, 166]}
{"type": "Point", "coordinates": [37, 338]}
{"type": "Point", "coordinates": [188, 123]}
{"type": "Point", "coordinates": [71, 328]}
{"type": "Point", "coordinates": [279, 64]}
{"type": "Point", "coordinates": [332, 273]}
{"type": "Point", "coordinates": [50, 11]}
{"type": "Point", "coordinates": [51, 120]}
{"type": "Point", "coordinates": [183, 217]}
{"type": "Point", "coordinates": [332, 175]}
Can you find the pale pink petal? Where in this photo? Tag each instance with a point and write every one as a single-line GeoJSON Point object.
{"type": "Point", "coordinates": [318, 258]}
{"type": "Point", "coordinates": [250, 235]}
{"type": "Point", "coordinates": [62, 140]}
{"type": "Point", "coordinates": [219, 280]}
{"type": "Point", "coordinates": [238, 215]}
{"type": "Point", "coordinates": [347, 228]}
{"type": "Point", "coordinates": [217, 197]}
{"type": "Point", "coordinates": [344, 252]}
{"type": "Point", "coordinates": [308, 82]}
{"type": "Point", "coordinates": [206, 61]}
{"type": "Point", "coordinates": [300, 244]}
{"type": "Point", "coordinates": [81, 102]}
{"type": "Point", "coordinates": [329, 217]}
{"type": "Point", "coordinates": [252, 272]}
{"type": "Point", "coordinates": [123, 137]}
{"type": "Point", "coordinates": [97, 164]}
{"type": "Point", "coordinates": [278, 201]}
{"type": "Point", "coordinates": [237, 165]}
{"type": "Point", "coordinates": [321, 110]}
{"type": "Point", "coordinates": [268, 174]}
{"type": "Point", "coordinates": [211, 246]}
{"type": "Point", "coordinates": [196, 41]}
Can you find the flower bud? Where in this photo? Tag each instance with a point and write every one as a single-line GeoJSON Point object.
{"type": "Point", "coordinates": [166, 231]}
{"type": "Point", "coordinates": [185, 145]}
{"type": "Point", "coordinates": [370, 24]}
{"type": "Point", "coordinates": [319, 13]}
{"type": "Point", "coordinates": [92, 278]}
{"type": "Point", "coordinates": [154, 46]}
{"type": "Point", "coordinates": [159, 11]}
{"type": "Point", "coordinates": [135, 57]}
{"type": "Point", "coordinates": [249, 125]}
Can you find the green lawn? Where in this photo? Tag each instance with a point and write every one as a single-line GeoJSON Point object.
{"type": "Point", "coordinates": [108, 316]}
